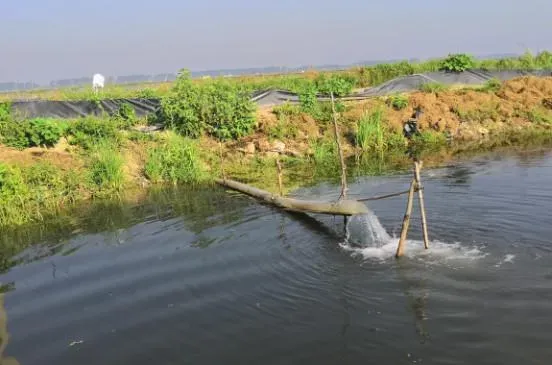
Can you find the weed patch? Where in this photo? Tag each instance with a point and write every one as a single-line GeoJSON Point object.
{"type": "Point", "coordinates": [539, 116]}
{"type": "Point", "coordinates": [87, 132]}
{"type": "Point", "coordinates": [106, 170]}
{"type": "Point", "coordinates": [374, 135]}
{"type": "Point", "coordinates": [398, 102]}
{"type": "Point", "coordinates": [491, 86]}
{"type": "Point", "coordinates": [175, 160]}
{"type": "Point", "coordinates": [433, 87]}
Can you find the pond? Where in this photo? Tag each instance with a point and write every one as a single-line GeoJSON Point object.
{"type": "Point", "coordinates": [210, 277]}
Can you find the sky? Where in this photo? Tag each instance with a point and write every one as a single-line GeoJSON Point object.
{"type": "Point", "coordinates": [44, 40]}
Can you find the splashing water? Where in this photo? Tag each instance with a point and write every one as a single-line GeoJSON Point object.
{"type": "Point", "coordinates": [376, 244]}
{"type": "Point", "coordinates": [508, 259]}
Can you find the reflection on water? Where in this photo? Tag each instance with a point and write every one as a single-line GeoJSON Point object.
{"type": "Point", "coordinates": [4, 335]}
{"type": "Point", "coordinates": [417, 293]}
{"type": "Point", "coordinates": [205, 277]}
{"type": "Point", "coordinates": [200, 208]}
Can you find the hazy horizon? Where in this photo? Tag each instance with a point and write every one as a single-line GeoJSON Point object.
{"type": "Point", "coordinates": [63, 40]}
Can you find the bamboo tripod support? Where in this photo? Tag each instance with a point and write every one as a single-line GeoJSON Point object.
{"type": "Point", "coordinates": [415, 185]}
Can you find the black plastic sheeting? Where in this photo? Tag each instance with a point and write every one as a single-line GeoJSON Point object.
{"type": "Point", "coordinates": [143, 107]}
{"type": "Point", "coordinates": [472, 77]}
{"type": "Point", "coordinates": [79, 108]}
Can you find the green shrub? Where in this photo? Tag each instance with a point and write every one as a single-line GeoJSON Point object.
{"type": "Point", "coordinates": [39, 132]}
{"type": "Point", "coordinates": [175, 160]}
{"type": "Point", "coordinates": [147, 93]}
{"type": "Point", "coordinates": [44, 132]}
{"type": "Point", "coordinates": [5, 113]}
{"type": "Point", "coordinates": [13, 134]}
{"type": "Point", "coordinates": [339, 85]}
{"type": "Point", "coordinates": [544, 60]}
{"type": "Point", "coordinates": [125, 116]}
{"type": "Point", "coordinates": [308, 99]}
{"type": "Point", "coordinates": [86, 132]}
{"type": "Point", "coordinates": [398, 102]}
{"type": "Point", "coordinates": [507, 64]}
{"type": "Point", "coordinates": [220, 108]}
{"type": "Point", "coordinates": [527, 61]}
{"type": "Point", "coordinates": [230, 112]}
{"type": "Point", "coordinates": [458, 63]}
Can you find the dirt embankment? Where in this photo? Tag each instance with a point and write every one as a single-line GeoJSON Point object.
{"type": "Point", "coordinates": [58, 156]}
{"type": "Point", "coordinates": [466, 115]}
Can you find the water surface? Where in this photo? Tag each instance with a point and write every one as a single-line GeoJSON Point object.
{"type": "Point", "coordinates": [206, 277]}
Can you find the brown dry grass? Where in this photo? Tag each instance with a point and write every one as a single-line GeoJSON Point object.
{"type": "Point", "coordinates": [59, 156]}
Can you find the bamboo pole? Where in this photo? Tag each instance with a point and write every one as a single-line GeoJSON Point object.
{"type": "Point", "coordinates": [344, 188]}
{"type": "Point", "coordinates": [280, 185]}
{"type": "Point", "coordinates": [406, 220]}
{"type": "Point", "coordinates": [342, 207]}
{"type": "Point", "coordinates": [223, 175]}
{"type": "Point", "coordinates": [417, 168]}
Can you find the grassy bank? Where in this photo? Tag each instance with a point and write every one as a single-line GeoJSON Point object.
{"type": "Point", "coordinates": [48, 165]}
{"type": "Point", "coordinates": [356, 77]}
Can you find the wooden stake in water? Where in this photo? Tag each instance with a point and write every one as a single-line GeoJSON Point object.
{"type": "Point", "coordinates": [417, 168]}
{"type": "Point", "coordinates": [406, 220]}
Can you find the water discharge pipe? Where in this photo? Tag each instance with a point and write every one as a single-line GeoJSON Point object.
{"type": "Point", "coordinates": [342, 207]}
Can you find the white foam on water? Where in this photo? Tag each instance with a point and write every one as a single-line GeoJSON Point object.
{"type": "Point", "coordinates": [377, 244]}
{"type": "Point", "coordinates": [509, 258]}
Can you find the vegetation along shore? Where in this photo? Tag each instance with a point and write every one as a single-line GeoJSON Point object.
{"type": "Point", "coordinates": [211, 128]}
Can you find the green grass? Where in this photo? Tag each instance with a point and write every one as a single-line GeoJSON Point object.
{"type": "Point", "coordinates": [433, 87]}
{"type": "Point", "coordinates": [285, 128]}
{"type": "Point", "coordinates": [323, 150]}
{"type": "Point", "coordinates": [286, 110]}
{"type": "Point", "coordinates": [431, 138]}
{"type": "Point", "coordinates": [539, 116]}
{"type": "Point", "coordinates": [174, 160]}
{"type": "Point", "coordinates": [106, 170]}
{"type": "Point", "coordinates": [398, 102]}
{"type": "Point", "coordinates": [491, 86]}
{"type": "Point", "coordinates": [489, 111]}
{"type": "Point", "coordinates": [370, 134]}
{"type": "Point", "coordinates": [373, 134]}
{"type": "Point", "coordinates": [25, 193]}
